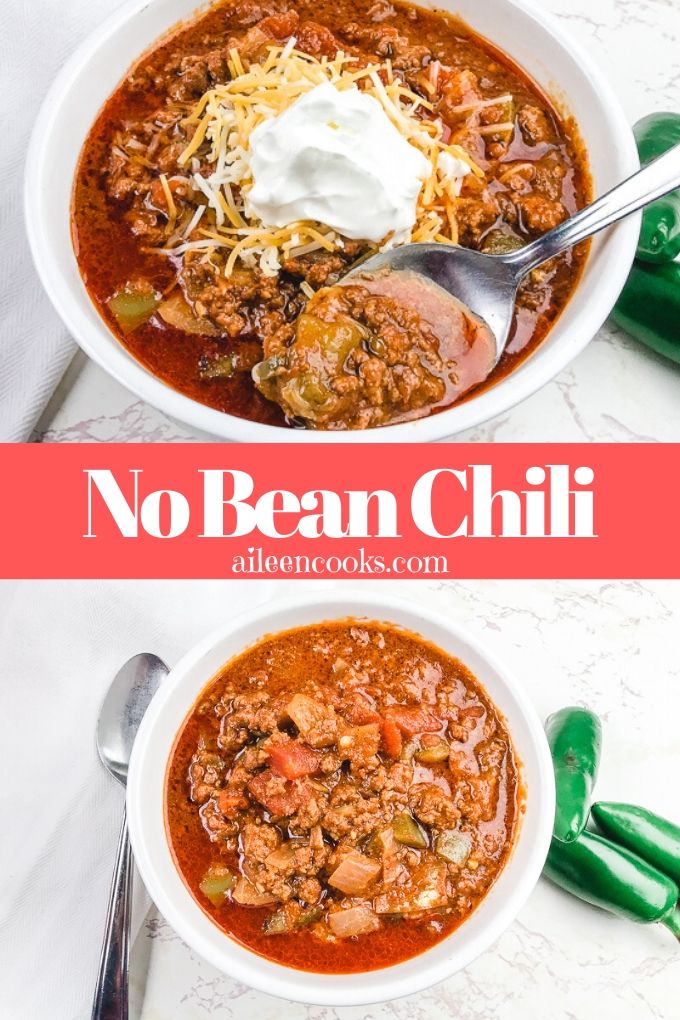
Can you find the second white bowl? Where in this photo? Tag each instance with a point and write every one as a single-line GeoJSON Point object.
{"type": "Point", "coordinates": [146, 785]}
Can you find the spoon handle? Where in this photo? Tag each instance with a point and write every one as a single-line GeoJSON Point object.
{"type": "Point", "coordinates": [653, 181]}
{"type": "Point", "coordinates": [111, 994]}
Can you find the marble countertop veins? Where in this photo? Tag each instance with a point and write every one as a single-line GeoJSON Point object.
{"type": "Point", "coordinates": [615, 391]}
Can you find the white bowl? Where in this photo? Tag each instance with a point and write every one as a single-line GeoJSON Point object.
{"type": "Point", "coordinates": [532, 38]}
{"type": "Point", "coordinates": [145, 799]}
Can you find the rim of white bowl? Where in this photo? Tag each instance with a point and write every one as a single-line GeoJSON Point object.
{"type": "Point", "coordinates": [241, 963]}
{"type": "Point", "coordinates": [527, 379]}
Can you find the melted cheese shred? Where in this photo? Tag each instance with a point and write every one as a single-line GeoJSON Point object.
{"type": "Point", "coordinates": [217, 158]}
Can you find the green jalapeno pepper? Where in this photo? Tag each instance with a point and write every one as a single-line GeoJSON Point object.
{"type": "Point", "coordinates": [575, 739]}
{"type": "Point", "coordinates": [649, 307]}
{"type": "Point", "coordinates": [660, 235]}
{"type": "Point", "coordinates": [614, 879]}
{"type": "Point", "coordinates": [651, 837]}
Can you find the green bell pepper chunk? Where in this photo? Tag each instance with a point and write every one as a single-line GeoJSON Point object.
{"type": "Point", "coordinates": [276, 924]}
{"type": "Point", "coordinates": [407, 832]}
{"type": "Point", "coordinates": [614, 879]}
{"type": "Point", "coordinates": [217, 883]}
{"type": "Point", "coordinates": [575, 739]}
{"type": "Point", "coordinates": [133, 305]}
{"type": "Point", "coordinates": [436, 751]}
{"type": "Point", "coordinates": [224, 367]}
{"type": "Point", "coordinates": [648, 835]}
{"type": "Point", "coordinates": [502, 242]}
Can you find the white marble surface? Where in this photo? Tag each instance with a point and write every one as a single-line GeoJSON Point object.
{"type": "Point", "coordinates": [612, 646]}
{"type": "Point", "coordinates": [616, 390]}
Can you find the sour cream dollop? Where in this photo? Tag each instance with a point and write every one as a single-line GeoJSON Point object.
{"type": "Point", "coordinates": [335, 157]}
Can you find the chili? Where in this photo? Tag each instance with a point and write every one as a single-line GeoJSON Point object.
{"type": "Point", "coordinates": [201, 320]}
{"type": "Point", "coordinates": [307, 833]}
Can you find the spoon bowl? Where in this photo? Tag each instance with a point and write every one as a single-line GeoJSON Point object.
{"type": "Point", "coordinates": [485, 284]}
{"type": "Point", "coordinates": [125, 703]}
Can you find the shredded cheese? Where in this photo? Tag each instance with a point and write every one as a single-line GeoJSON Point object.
{"type": "Point", "coordinates": [217, 157]}
{"type": "Point", "coordinates": [170, 202]}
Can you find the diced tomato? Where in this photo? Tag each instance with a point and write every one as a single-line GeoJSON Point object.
{"type": "Point", "coordinates": [391, 736]}
{"type": "Point", "coordinates": [412, 719]}
{"type": "Point", "coordinates": [280, 796]}
{"type": "Point", "coordinates": [292, 761]}
{"type": "Point", "coordinates": [280, 25]}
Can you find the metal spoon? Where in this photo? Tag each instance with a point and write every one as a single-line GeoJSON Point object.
{"type": "Point", "coordinates": [488, 284]}
{"type": "Point", "coordinates": [125, 703]}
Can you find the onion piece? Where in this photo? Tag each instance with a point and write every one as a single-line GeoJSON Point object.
{"type": "Point", "coordinates": [283, 857]}
{"type": "Point", "coordinates": [454, 846]}
{"type": "Point", "coordinates": [247, 895]}
{"type": "Point", "coordinates": [354, 874]}
{"type": "Point", "coordinates": [353, 921]}
{"type": "Point", "coordinates": [177, 312]}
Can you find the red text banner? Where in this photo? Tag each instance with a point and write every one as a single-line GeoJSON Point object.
{"type": "Point", "coordinates": [446, 511]}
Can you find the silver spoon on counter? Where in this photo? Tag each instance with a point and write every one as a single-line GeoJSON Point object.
{"type": "Point", "coordinates": [125, 703]}
{"type": "Point", "coordinates": [487, 284]}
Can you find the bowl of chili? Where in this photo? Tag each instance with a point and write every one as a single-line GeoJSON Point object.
{"type": "Point", "coordinates": [194, 366]}
{"type": "Point", "coordinates": [265, 807]}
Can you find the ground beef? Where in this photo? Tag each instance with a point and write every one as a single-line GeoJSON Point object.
{"type": "Point", "coordinates": [539, 214]}
{"type": "Point", "coordinates": [236, 303]}
{"type": "Point", "coordinates": [317, 269]}
{"type": "Point", "coordinates": [257, 713]}
{"type": "Point", "coordinates": [272, 29]}
{"type": "Point", "coordinates": [215, 824]}
{"type": "Point", "coordinates": [309, 812]}
{"type": "Point", "coordinates": [259, 841]}
{"type": "Point", "coordinates": [317, 40]}
{"type": "Point", "coordinates": [535, 126]}
{"type": "Point", "coordinates": [386, 42]}
{"type": "Point", "coordinates": [351, 815]}
{"type": "Point", "coordinates": [432, 806]}
{"type": "Point", "coordinates": [316, 720]}
{"type": "Point", "coordinates": [205, 775]}
{"type": "Point", "coordinates": [476, 215]}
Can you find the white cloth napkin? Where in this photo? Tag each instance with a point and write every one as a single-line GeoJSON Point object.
{"type": "Point", "coordinates": [60, 645]}
{"type": "Point", "coordinates": [35, 348]}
